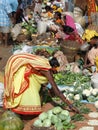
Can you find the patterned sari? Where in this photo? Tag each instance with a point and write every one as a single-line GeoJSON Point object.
{"type": "Point", "coordinates": [92, 10]}
{"type": "Point", "coordinates": [23, 82]}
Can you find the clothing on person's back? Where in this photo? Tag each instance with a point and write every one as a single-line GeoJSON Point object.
{"type": "Point", "coordinates": [13, 4]}
{"type": "Point", "coordinates": [29, 2]}
{"type": "Point", "coordinates": [70, 5]}
{"type": "Point", "coordinates": [23, 4]}
{"type": "Point", "coordinates": [69, 21]}
{"type": "Point", "coordinates": [24, 69]}
{"type": "Point", "coordinates": [5, 9]}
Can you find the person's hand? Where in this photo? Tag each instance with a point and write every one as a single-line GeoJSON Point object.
{"type": "Point", "coordinates": [73, 108]}
{"type": "Point", "coordinates": [85, 66]}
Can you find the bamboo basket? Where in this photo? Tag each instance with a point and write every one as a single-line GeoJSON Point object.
{"type": "Point", "coordinates": [93, 27]}
{"type": "Point", "coordinates": [70, 49]}
{"type": "Point", "coordinates": [22, 38]}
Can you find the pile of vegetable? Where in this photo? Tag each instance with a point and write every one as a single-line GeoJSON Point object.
{"type": "Point", "coordinates": [57, 117]}
{"type": "Point", "coordinates": [47, 48]}
{"type": "Point", "coordinates": [70, 78]}
{"type": "Point", "coordinates": [29, 28]}
{"type": "Point", "coordinates": [10, 121]}
{"type": "Point", "coordinates": [76, 86]}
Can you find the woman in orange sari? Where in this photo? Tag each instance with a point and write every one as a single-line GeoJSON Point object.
{"type": "Point", "coordinates": [24, 75]}
{"type": "Point", "coordinates": [92, 11]}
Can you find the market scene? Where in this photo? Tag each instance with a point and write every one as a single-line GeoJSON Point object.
{"type": "Point", "coordinates": [48, 64]}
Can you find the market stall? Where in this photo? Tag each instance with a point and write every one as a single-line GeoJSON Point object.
{"type": "Point", "coordinates": [77, 84]}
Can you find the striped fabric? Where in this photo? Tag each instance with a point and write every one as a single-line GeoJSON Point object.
{"type": "Point", "coordinates": [18, 60]}
{"type": "Point", "coordinates": [23, 82]}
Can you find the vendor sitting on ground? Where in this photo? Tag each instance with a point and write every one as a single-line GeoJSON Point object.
{"type": "Point", "coordinates": [91, 58]}
{"type": "Point", "coordinates": [58, 18]}
{"type": "Point", "coordinates": [49, 11]}
{"type": "Point", "coordinates": [24, 75]}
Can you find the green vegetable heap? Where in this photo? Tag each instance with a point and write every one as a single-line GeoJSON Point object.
{"type": "Point", "coordinates": [69, 78]}
{"type": "Point", "coordinates": [56, 117]}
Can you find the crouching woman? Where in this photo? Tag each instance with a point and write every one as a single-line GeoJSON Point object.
{"type": "Point", "coordinates": [24, 75]}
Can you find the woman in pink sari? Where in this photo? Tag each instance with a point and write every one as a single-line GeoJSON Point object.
{"type": "Point", "coordinates": [69, 21]}
{"type": "Point", "coordinates": [71, 35]}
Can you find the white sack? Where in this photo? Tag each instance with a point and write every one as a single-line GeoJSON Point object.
{"type": "Point", "coordinates": [42, 27]}
{"type": "Point", "coordinates": [15, 31]}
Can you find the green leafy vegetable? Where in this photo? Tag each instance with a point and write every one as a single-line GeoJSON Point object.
{"type": "Point", "coordinates": [77, 117]}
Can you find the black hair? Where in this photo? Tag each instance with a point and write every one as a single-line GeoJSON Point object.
{"type": "Point", "coordinates": [95, 45]}
{"type": "Point", "coordinates": [67, 29]}
{"type": "Point", "coordinates": [95, 37]}
{"type": "Point", "coordinates": [48, 8]}
{"type": "Point", "coordinates": [58, 14]}
{"type": "Point", "coordinates": [54, 62]}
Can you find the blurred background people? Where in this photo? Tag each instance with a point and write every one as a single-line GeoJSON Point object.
{"type": "Point", "coordinates": [14, 6]}
{"type": "Point", "coordinates": [92, 9]}
{"type": "Point", "coordinates": [5, 20]}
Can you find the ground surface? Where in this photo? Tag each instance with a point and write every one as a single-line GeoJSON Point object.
{"type": "Point", "coordinates": [5, 53]}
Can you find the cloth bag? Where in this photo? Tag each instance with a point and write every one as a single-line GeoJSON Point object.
{"type": "Point", "coordinates": [42, 27]}
{"type": "Point", "coordinates": [15, 31]}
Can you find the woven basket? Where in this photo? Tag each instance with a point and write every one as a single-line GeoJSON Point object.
{"type": "Point", "coordinates": [22, 38]}
{"type": "Point", "coordinates": [93, 27]}
{"type": "Point", "coordinates": [70, 49]}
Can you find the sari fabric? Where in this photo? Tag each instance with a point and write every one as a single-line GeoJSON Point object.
{"type": "Point", "coordinates": [70, 22]}
{"type": "Point", "coordinates": [91, 6]}
{"type": "Point", "coordinates": [92, 11]}
{"type": "Point", "coordinates": [23, 82]}
{"type": "Point", "coordinates": [96, 62]}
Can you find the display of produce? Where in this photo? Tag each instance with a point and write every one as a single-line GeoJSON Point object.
{"type": "Point", "coordinates": [79, 86]}
{"type": "Point", "coordinates": [57, 117]}
{"type": "Point", "coordinates": [10, 121]}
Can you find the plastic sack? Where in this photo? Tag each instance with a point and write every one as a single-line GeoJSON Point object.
{"type": "Point", "coordinates": [79, 28]}
{"type": "Point", "coordinates": [15, 31]}
{"type": "Point", "coordinates": [38, 8]}
{"type": "Point", "coordinates": [77, 12]}
{"type": "Point", "coordinates": [1, 94]}
{"type": "Point", "coordinates": [74, 68]}
{"type": "Point", "coordinates": [24, 48]}
{"type": "Point", "coordinates": [81, 20]}
{"type": "Point", "coordinates": [42, 27]}
{"type": "Point", "coordinates": [94, 80]}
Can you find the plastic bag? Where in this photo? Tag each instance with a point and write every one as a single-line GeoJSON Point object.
{"type": "Point", "coordinates": [1, 93]}
{"type": "Point", "coordinates": [42, 27]}
{"type": "Point", "coordinates": [15, 31]}
{"type": "Point", "coordinates": [79, 28]}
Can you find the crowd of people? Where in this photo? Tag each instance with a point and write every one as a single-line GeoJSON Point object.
{"type": "Point", "coordinates": [14, 11]}
{"type": "Point", "coordinates": [8, 11]}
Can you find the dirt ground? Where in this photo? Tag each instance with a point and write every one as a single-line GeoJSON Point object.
{"type": "Point", "coordinates": [5, 53]}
